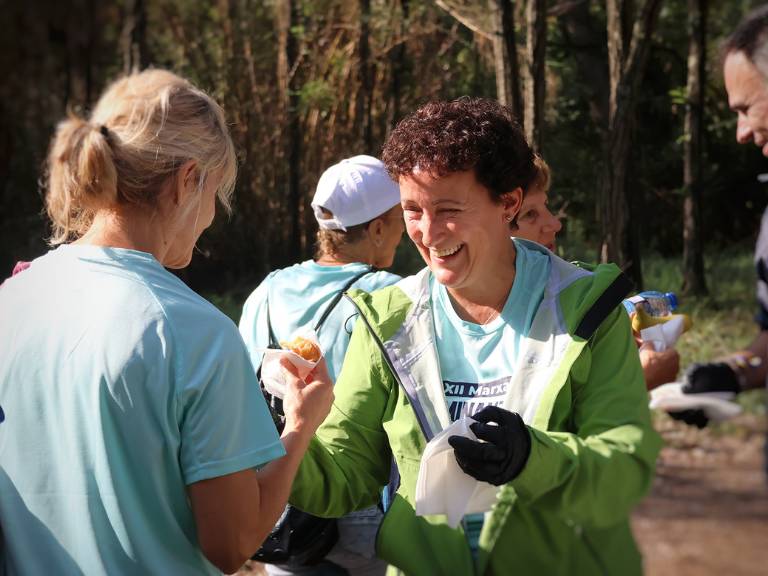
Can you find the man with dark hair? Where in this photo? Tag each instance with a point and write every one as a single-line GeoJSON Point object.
{"type": "Point", "coordinates": [745, 71]}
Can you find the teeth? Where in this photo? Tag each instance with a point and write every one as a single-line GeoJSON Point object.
{"type": "Point", "coordinates": [447, 251]}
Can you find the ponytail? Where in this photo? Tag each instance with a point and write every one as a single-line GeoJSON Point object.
{"type": "Point", "coordinates": [82, 177]}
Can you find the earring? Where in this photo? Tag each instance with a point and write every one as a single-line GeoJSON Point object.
{"type": "Point", "coordinates": [508, 218]}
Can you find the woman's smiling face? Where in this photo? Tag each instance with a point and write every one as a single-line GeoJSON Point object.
{"type": "Point", "coordinates": [462, 234]}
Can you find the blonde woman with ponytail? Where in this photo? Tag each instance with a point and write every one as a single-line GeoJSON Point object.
{"type": "Point", "coordinates": [135, 423]}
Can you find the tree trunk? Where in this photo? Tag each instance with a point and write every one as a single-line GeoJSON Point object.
{"type": "Point", "coordinates": [508, 90]}
{"type": "Point", "coordinates": [398, 65]}
{"type": "Point", "coordinates": [133, 37]}
{"type": "Point", "coordinates": [586, 41]}
{"type": "Point", "coordinates": [535, 58]}
{"type": "Point", "coordinates": [365, 92]}
{"type": "Point", "coordinates": [288, 13]}
{"type": "Point", "coordinates": [627, 57]}
{"type": "Point", "coordinates": [694, 280]}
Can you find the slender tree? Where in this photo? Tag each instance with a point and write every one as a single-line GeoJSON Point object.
{"type": "Point", "coordinates": [364, 104]}
{"type": "Point", "coordinates": [133, 43]}
{"type": "Point", "coordinates": [694, 280]}
{"type": "Point", "coordinates": [398, 66]}
{"type": "Point", "coordinates": [535, 80]}
{"type": "Point", "coordinates": [628, 49]}
{"type": "Point", "coordinates": [287, 18]}
{"type": "Point", "coordinates": [495, 21]}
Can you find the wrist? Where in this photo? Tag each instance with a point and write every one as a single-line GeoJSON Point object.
{"type": "Point", "coordinates": [298, 429]}
{"type": "Point", "coordinates": [743, 364]}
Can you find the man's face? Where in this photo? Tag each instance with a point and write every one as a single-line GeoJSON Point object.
{"type": "Point", "coordinates": [747, 96]}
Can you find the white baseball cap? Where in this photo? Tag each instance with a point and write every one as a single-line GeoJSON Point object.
{"type": "Point", "coordinates": [356, 190]}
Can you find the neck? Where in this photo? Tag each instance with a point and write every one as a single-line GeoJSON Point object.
{"type": "Point", "coordinates": [129, 228]}
{"type": "Point", "coordinates": [348, 254]}
{"type": "Point", "coordinates": [482, 304]}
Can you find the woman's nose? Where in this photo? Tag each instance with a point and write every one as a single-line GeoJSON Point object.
{"type": "Point", "coordinates": [428, 230]}
{"type": "Point", "coordinates": [553, 222]}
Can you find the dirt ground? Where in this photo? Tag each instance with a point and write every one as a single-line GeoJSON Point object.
{"type": "Point", "coordinates": [707, 513]}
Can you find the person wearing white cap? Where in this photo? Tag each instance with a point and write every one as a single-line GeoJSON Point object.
{"type": "Point", "coordinates": [357, 207]}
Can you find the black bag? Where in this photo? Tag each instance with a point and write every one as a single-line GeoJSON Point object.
{"type": "Point", "coordinates": [298, 538]}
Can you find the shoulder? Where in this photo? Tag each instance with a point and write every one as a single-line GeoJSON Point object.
{"type": "Point", "coordinates": [592, 297]}
{"type": "Point", "coordinates": [386, 309]}
{"type": "Point", "coordinates": [378, 279]}
{"type": "Point", "coordinates": [192, 320]}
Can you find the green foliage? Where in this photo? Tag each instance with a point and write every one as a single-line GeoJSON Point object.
{"type": "Point", "coordinates": [58, 56]}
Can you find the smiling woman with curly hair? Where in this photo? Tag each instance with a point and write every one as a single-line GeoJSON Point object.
{"type": "Point", "coordinates": [537, 352]}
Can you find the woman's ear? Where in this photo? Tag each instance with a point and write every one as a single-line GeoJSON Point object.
{"type": "Point", "coordinates": [185, 184]}
{"type": "Point", "coordinates": [376, 232]}
{"type": "Point", "coordinates": [512, 201]}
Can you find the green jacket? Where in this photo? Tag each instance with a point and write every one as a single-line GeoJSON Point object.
{"type": "Point", "coordinates": [593, 447]}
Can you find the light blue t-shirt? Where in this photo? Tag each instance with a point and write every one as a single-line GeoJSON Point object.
{"type": "Point", "coordinates": [477, 361]}
{"type": "Point", "coordinates": [298, 295]}
{"type": "Point", "coordinates": [121, 386]}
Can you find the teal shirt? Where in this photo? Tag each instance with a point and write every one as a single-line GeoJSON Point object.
{"type": "Point", "coordinates": [477, 361]}
{"type": "Point", "coordinates": [298, 295]}
{"type": "Point", "coordinates": [121, 387]}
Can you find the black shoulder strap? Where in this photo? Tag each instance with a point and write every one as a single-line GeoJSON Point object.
{"type": "Point", "coordinates": [332, 304]}
{"type": "Point", "coordinates": [604, 305]}
{"type": "Point", "coordinates": [273, 343]}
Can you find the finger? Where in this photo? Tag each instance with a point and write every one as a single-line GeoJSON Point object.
{"type": "Point", "coordinates": [473, 450]}
{"type": "Point", "coordinates": [478, 469]}
{"type": "Point", "coordinates": [489, 432]}
{"type": "Point", "coordinates": [291, 374]}
{"type": "Point", "coordinates": [491, 414]}
{"type": "Point", "coordinates": [320, 372]}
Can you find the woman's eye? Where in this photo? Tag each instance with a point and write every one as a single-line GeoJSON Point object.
{"type": "Point", "coordinates": [528, 215]}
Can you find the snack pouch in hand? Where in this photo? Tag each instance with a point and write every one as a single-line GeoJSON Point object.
{"type": "Point", "coordinates": [272, 375]}
{"type": "Point", "coordinates": [444, 488]}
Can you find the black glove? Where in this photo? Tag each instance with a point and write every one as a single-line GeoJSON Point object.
{"type": "Point", "coordinates": [713, 377]}
{"type": "Point", "coordinates": [691, 417]}
{"type": "Point", "coordinates": [700, 378]}
{"type": "Point", "coordinates": [505, 451]}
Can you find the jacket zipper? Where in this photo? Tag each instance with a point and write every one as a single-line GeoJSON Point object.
{"type": "Point", "coordinates": [388, 361]}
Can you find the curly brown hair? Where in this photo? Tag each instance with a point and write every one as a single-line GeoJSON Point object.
{"type": "Point", "coordinates": [465, 134]}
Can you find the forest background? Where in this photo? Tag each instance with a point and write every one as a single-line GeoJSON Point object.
{"type": "Point", "coordinates": [623, 98]}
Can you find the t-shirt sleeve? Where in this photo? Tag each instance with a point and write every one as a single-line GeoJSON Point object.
{"type": "Point", "coordinates": [224, 423]}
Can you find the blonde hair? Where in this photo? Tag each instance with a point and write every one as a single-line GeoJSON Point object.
{"type": "Point", "coordinates": [330, 242]}
{"type": "Point", "coordinates": [144, 127]}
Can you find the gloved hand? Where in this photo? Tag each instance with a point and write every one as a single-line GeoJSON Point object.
{"type": "Point", "coordinates": [691, 417]}
{"type": "Point", "coordinates": [711, 377]}
{"type": "Point", "coordinates": [505, 451]}
{"type": "Point", "coordinates": [700, 378]}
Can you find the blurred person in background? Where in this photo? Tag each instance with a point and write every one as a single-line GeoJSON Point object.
{"type": "Point", "coordinates": [536, 222]}
{"type": "Point", "coordinates": [745, 72]}
{"type": "Point", "coordinates": [357, 207]}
